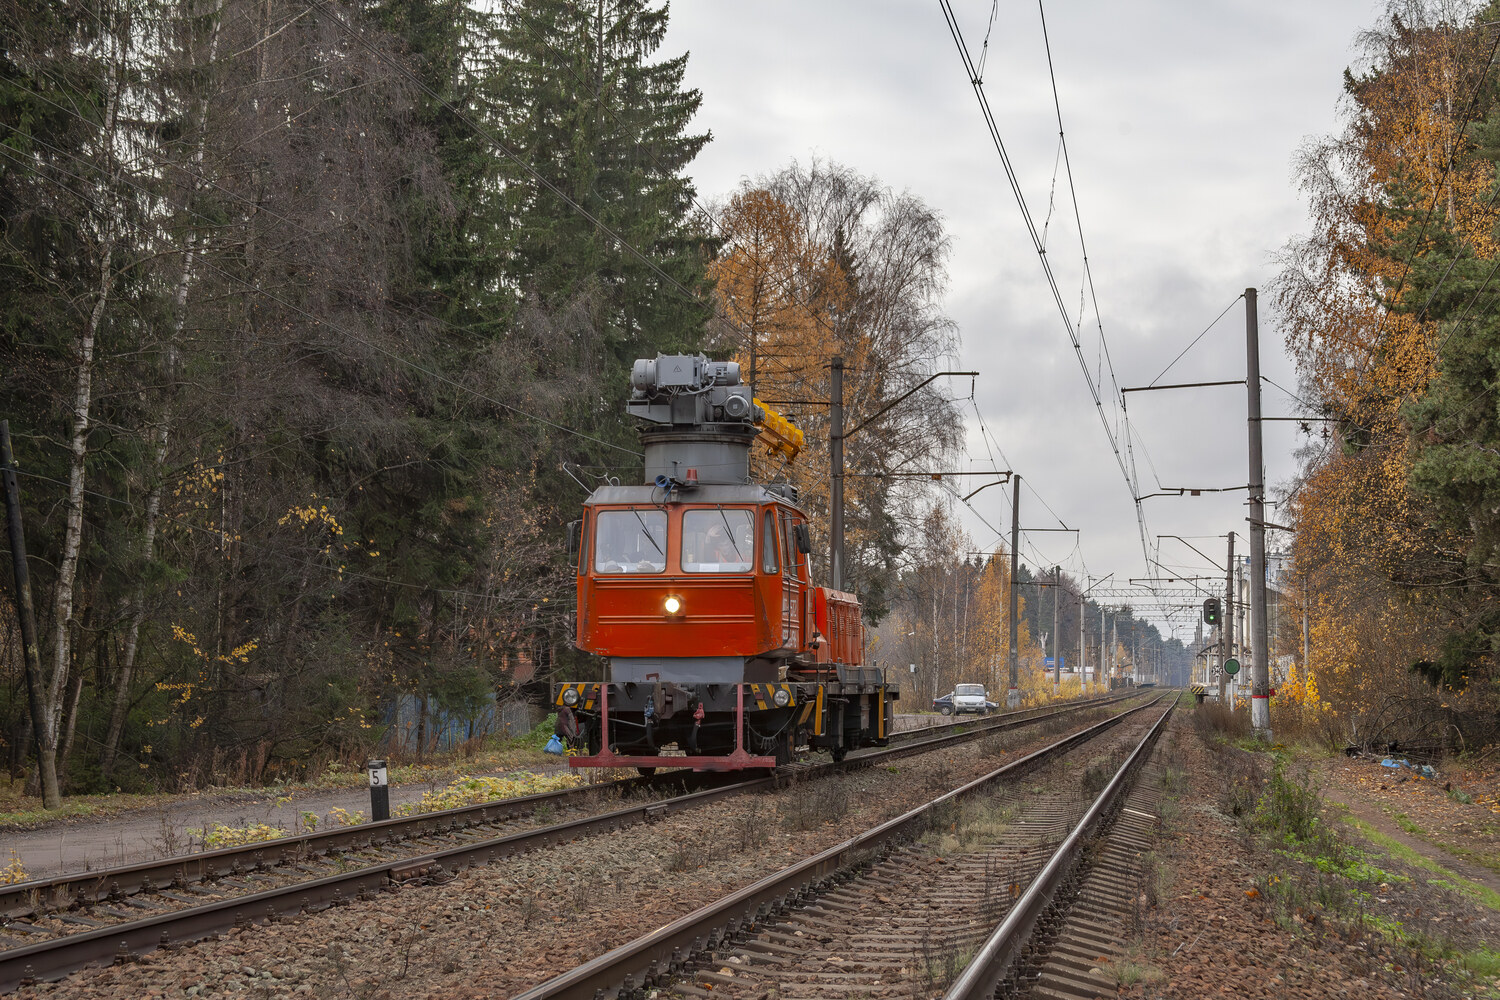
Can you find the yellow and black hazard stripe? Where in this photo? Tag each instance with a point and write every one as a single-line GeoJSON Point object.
{"type": "Point", "coordinates": [587, 694]}
{"type": "Point", "coordinates": [1198, 689]}
{"type": "Point", "coordinates": [765, 693]}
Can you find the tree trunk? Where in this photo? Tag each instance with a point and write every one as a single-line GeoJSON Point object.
{"type": "Point", "coordinates": [67, 569]}
{"type": "Point", "coordinates": [17, 760]}
{"type": "Point", "coordinates": [36, 704]}
{"type": "Point", "coordinates": [126, 674]}
{"type": "Point", "coordinates": [422, 726]}
{"type": "Point", "coordinates": [70, 725]}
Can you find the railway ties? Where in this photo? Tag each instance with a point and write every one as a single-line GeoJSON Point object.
{"type": "Point", "coordinates": [892, 912]}
{"type": "Point", "coordinates": [1078, 963]}
{"type": "Point", "coordinates": [905, 927]}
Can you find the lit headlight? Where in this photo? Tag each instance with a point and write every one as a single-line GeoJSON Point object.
{"type": "Point", "coordinates": [781, 698]}
{"type": "Point", "coordinates": [673, 605]}
{"type": "Point", "coordinates": [570, 697]}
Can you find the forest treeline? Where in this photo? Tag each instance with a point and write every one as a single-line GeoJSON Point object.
{"type": "Point", "coordinates": [316, 322]}
{"type": "Point", "coordinates": [1390, 307]}
{"type": "Point", "coordinates": [949, 624]}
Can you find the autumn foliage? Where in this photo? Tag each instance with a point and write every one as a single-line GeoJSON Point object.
{"type": "Point", "coordinates": [1387, 306]}
{"type": "Point", "coordinates": [818, 260]}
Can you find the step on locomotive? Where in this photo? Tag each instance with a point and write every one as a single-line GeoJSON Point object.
{"type": "Point", "coordinates": [695, 586]}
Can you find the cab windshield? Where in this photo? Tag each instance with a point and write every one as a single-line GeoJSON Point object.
{"type": "Point", "coordinates": [630, 541]}
{"type": "Point", "coordinates": [718, 541]}
{"type": "Point", "coordinates": [970, 691]}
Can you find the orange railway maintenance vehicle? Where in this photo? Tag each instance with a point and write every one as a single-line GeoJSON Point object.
{"type": "Point", "coordinates": [695, 586]}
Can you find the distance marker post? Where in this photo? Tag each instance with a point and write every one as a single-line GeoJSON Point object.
{"type": "Point", "coordinates": [380, 790]}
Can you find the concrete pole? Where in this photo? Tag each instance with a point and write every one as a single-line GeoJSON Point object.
{"type": "Point", "coordinates": [1226, 622]}
{"type": "Point", "coordinates": [1013, 698]}
{"type": "Point", "coordinates": [1260, 675]}
{"type": "Point", "coordinates": [836, 479]}
{"type": "Point", "coordinates": [1241, 633]}
{"type": "Point", "coordinates": [1114, 644]}
{"type": "Point", "coordinates": [1083, 678]}
{"type": "Point", "coordinates": [1135, 651]}
{"type": "Point", "coordinates": [1056, 634]}
{"type": "Point", "coordinates": [1306, 650]}
{"type": "Point", "coordinates": [1099, 660]}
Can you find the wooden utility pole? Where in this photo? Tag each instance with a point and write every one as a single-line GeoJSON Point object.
{"type": "Point", "coordinates": [1013, 698]}
{"type": "Point", "coordinates": [45, 733]}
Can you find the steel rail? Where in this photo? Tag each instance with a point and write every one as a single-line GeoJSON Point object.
{"type": "Point", "coordinates": [56, 958]}
{"type": "Point", "coordinates": [68, 891]}
{"type": "Point", "coordinates": [53, 959]}
{"type": "Point", "coordinates": [668, 949]}
{"type": "Point", "coordinates": [988, 727]}
{"type": "Point", "coordinates": [995, 959]}
{"type": "Point", "coordinates": [84, 888]}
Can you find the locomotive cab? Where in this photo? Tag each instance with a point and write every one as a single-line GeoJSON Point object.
{"type": "Point", "coordinates": [696, 587]}
{"type": "Point", "coordinates": [720, 575]}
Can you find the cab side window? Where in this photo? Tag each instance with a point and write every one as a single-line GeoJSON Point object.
{"type": "Point", "coordinates": [768, 561]}
{"type": "Point", "coordinates": [794, 564]}
{"type": "Point", "coordinates": [582, 541]}
{"type": "Point", "coordinates": [788, 548]}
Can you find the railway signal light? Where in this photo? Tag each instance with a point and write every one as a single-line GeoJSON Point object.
{"type": "Point", "coordinates": [1211, 611]}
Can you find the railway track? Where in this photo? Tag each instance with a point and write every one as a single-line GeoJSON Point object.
{"type": "Point", "coordinates": [1080, 953]}
{"type": "Point", "coordinates": [884, 910]}
{"type": "Point", "coordinates": [58, 925]}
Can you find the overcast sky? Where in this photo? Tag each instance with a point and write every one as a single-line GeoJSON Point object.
{"type": "Point", "coordinates": [1182, 120]}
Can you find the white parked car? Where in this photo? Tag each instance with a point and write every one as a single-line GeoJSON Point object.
{"type": "Point", "coordinates": [970, 698]}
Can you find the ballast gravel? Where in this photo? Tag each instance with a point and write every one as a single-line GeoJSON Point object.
{"type": "Point", "coordinates": [496, 931]}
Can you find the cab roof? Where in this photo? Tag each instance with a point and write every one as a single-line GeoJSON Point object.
{"type": "Point", "coordinates": [656, 497]}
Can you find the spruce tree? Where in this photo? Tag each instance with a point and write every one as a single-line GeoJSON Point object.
{"type": "Point", "coordinates": [597, 124]}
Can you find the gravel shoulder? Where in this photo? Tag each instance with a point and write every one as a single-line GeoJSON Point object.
{"type": "Point", "coordinates": [1229, 911]}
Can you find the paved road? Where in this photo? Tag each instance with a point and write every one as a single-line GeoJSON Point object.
{"type": "Point", "coordinates": [145, 834]}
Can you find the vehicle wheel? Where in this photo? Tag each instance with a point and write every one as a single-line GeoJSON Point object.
{"type": "Point", "coordinates": [839, 753]}
{"type": "Point", "coordinates": [947, 710]}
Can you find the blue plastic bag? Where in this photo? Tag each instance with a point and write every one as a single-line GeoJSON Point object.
{"type": "Point", "coordinates": [555, 745]}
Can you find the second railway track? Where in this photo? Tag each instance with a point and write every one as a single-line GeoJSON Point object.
{"type": "Point", "coordinates": [74, 921]}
